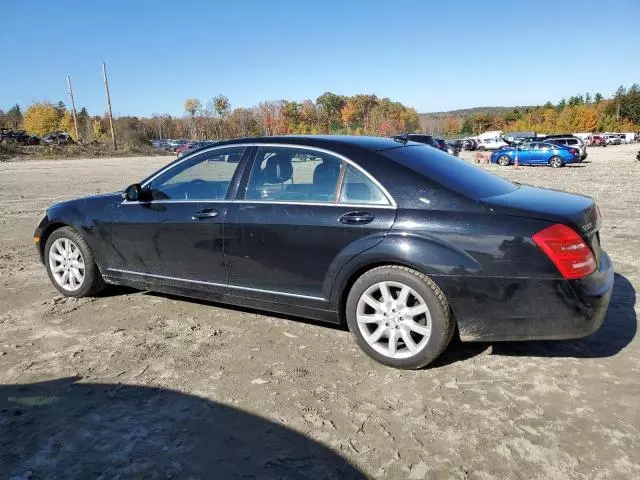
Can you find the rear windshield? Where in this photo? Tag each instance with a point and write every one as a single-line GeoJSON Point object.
{"type": "Point", "coordinates": [451, 172]}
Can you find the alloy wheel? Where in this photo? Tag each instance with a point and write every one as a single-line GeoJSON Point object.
{"type": "Point", "coordinates": [504, 160]}
{"type": "Point", "coordinates": [394, 320]}
{"type": "Point", "coordinates": [66, 264]}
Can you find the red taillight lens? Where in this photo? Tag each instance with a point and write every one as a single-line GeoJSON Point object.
{"type": "Point", "coordinates": [573, 151]}
{"type": "Point", "coordinates": [566, 249]}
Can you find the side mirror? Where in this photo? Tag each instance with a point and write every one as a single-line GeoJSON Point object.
{"type": "Point", "coordinates": [133, 193]}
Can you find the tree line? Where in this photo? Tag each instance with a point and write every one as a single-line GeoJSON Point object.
{"type": "Point", "coordinates": [330, 113]}
{"type": "Point", "coordinates": [579, 113]}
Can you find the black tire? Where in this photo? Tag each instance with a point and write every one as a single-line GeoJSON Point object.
{"type": "Point", "coordinates": [556, 162]}
{"type": "Point", "coordinates": [442, 324]}
{"type": "Point", "coordinates": [482, 148]}
{"type": "Point", "coordinates": [93, 283]}
{"type": "Point", "coordinates": [504, 160]}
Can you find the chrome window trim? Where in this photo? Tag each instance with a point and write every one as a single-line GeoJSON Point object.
{"type": "Point", "coordinates": [263, 202]}
{"type": "Point", "coordinates": [385, 192]}
{"type": "Point", "coordinates": [212, 284]}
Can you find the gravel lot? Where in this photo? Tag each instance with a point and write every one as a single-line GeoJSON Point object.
{"type": "Point", "coordinates": [140, 385]}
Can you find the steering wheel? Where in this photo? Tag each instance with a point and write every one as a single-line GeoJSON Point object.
{"type": "Point", "coordinates": [197, 184]}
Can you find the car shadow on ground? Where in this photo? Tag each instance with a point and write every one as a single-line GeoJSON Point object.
{"type": "Point", "coordinates": [67, 429]}
{"type": "Point", "coordinates": [617, 331]}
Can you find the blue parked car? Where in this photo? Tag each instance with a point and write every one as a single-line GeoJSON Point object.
{"type": "Point", "coordinates": [536, 153]}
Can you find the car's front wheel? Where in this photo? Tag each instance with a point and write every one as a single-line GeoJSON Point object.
{"type": "Point", "coordinates": [71, 265]}
{"type": "Point", "coordinates": [399, 317]}
{"type": "Point", "coordinates": [556, 162]}
{"type": "Point", "coordinates": [504, 160]}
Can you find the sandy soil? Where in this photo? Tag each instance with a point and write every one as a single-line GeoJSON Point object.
{"type": "Point", "coordinates": [139, 385]}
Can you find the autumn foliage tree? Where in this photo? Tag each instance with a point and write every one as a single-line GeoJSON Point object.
{"type": "Point", "coordinates": [41, 118]}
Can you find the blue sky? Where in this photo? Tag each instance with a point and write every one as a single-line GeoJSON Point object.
{"type": "Point", "coordinates": [430, 55]}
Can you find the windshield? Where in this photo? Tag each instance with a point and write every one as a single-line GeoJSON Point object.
{"type": "Point", "coordinates": [451, 172]}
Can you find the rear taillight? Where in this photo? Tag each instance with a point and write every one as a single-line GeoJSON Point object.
{"type": "Point", "coordinates": [573, 151]}
{"type": "Point", "coordinates": [566, 249]}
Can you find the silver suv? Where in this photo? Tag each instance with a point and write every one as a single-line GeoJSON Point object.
{"type": "Point", "coordinates": [573, 142]}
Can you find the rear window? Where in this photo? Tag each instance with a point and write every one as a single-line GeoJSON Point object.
{"type": "Point", "coordinates": [451, 172]}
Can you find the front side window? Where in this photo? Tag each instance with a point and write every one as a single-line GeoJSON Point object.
{"type": "Point", "coordinates": [204, 177]}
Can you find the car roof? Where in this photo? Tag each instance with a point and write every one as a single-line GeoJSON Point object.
{"type": "Point", "coordinates": [332, 142]}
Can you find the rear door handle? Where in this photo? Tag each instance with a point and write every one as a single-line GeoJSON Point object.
{"type": "Point", "coordinates": [205, 214]}
{"type": "Point", "coordinates": [357, 218]}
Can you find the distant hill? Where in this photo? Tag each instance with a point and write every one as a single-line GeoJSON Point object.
{"type": "Point", "coordinates": [466, 112]}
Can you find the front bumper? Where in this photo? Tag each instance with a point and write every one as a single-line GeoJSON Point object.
{"type": "Point", "coordinates": [504, 309]}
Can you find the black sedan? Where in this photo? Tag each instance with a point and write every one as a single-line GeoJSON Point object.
{"type": "Point", "coordinates": [401, 242]}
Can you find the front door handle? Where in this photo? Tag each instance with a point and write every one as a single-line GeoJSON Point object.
{"type": "Point", "coordinates": [357, 218]}
{"type": "Point", "coordinates": [205, 214]}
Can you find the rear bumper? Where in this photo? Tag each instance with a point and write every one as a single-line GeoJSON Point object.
{"type": "Point", "coordinates": [504, 309]}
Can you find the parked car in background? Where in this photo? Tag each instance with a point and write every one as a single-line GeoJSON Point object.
{"type": "Point", "coordinates": [597, 141]}
{"type": "Point", "coordinates": [469, 144]}
{"type": "Point", "coordinates": [492, 143]}
{"type": "Point", "coordinates": [536, 153]}
{"type": "Point", "coordinates": [57, 138]}
{"type": "Point", "coordinates": [612, 139]}
{"type": "Point", "coordinates": [572, 141]}
{"type": "Point", "coordinates": [441, 144]}
{"type": "Point", "coordinates": [187, 148]}
{"type": "Point", "coordinates": [403, 243]}
{"type": "Point", "coordinates": [418, 137]}
{"type": "Point", "coordinates": [454, 147]}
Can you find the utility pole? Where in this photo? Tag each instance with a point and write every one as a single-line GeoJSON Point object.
{"type": "Point", "coordinates": [106, 89]}
{"type": "Point", "coordinates": [73, 107]}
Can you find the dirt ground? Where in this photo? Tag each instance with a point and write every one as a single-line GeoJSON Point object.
{"type": "Point", "coordinates": [140, 385]}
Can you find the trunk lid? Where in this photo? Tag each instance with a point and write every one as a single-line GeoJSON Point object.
{"type": "Point", "coordinates": [577, 211]}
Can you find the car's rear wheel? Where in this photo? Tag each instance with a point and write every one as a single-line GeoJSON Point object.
{"type": "Point", "coordinates": [504, 160]}
{"type": "Point", "coordinates": [556, 162]}
{"type": "Point", "coordinates": [399, 317]}
{"type": "Point", "coordinates": [71, 265]}
{"type": "Point", "coordinates": [481, 148]}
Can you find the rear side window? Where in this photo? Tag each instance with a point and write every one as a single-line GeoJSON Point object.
{"type": "Point", "coordinates": [451, 172]}
{"type": "Point", "coordinates": [358, 188]}
{"type": "Point", "coordinates": [290, 174]}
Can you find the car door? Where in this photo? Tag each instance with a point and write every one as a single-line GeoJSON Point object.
{"type": "Point", "coordinates": [174, 234]}
{"type": "Point", "coordinates": [524, 154]}
{"type": "Point", "coordinates": [305, 212]}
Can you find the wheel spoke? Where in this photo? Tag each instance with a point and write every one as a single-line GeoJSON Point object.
{"type": "Point", "coordinates": [417, 310]}
{"type": "Point", "coordinates": [393, 342]}
{"type": "Point", "coordinates": [59, 249]}
{"type": "Point", "coordinates": [377, 334]}
{"type": "Point", "coordinates": [372, 302]}
{"type": "Point", "coordinates": [57, 258]}
{"type": "Point", "coordinates": [77, 264]}
{"type": "Point", "coordinates": [75, 273]}
{"type": "Point", "coordinates": [57, 269]}
{"type": "Point", "coordinates": [402, 296]}
{"type": "Point", "coordinates": [386, 296]}
{"type": "Point", "coordinates": [416, 327]}
{"type": "Point", "coordinates": [375, 318]}
{"type": "Point", "coordinates": [408, 341]}
{"type": "Point", "coordinates": [65, 277]}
